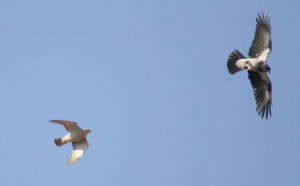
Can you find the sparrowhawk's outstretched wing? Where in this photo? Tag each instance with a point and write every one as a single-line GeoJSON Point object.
{"type": "Point", "coordinates": [78, 149]}
{"type": "Point", "coordinates": [69, 125]}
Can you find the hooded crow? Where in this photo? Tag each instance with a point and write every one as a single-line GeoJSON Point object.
{"type": "Point", "coordinates": [256, 64]}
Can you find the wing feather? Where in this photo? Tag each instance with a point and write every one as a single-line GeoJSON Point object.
{"type": "Point", "coordinates": [78, 150]}
{"type": "Point", "coordinates": [262, 45]}
{"type": "Point", "coordinates": [262, 88]}
{"type": "Point", "coordinates": [69, 125]}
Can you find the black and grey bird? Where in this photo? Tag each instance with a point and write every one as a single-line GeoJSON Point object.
{"type": "Point", "coordinates": [256, 64]}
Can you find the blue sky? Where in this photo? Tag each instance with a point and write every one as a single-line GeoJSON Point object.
{"type": "Point", "coordinates": [149, 78]}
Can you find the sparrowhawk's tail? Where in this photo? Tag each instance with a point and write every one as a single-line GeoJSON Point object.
{"type": "Point", "coordinates": [59, 142]}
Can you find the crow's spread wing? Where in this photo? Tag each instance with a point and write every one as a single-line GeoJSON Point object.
{"type": "Point", "coordinates": [262, 44]}
{"type": "Point", "coordinates": [262, 92]}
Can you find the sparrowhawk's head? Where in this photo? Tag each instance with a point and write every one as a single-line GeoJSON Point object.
{"type": "Point", "coordinates": [87, 130]}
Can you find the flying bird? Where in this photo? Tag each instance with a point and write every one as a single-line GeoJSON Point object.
{"type": "Point", "coordinates": [76, 135]}
{"type": "Point", "coordinates": [256, 64]}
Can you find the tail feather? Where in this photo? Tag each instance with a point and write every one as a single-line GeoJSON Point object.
{"type": "Point", "coordinates": [59, 142]}
{"type": "Point", "coordinates": [231, 63]}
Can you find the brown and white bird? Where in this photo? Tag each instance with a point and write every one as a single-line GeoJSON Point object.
{"type": "Point", "coordinates": [76, 135]}
{"type": "Point", "coordinates": [256, 64]}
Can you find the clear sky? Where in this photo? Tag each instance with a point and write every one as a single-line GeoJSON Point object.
{"type": "Point", "coordinates": [149, 78]}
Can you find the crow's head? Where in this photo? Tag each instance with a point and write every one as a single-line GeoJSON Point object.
{"type": "Point", "coordinates": [264, 67]}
